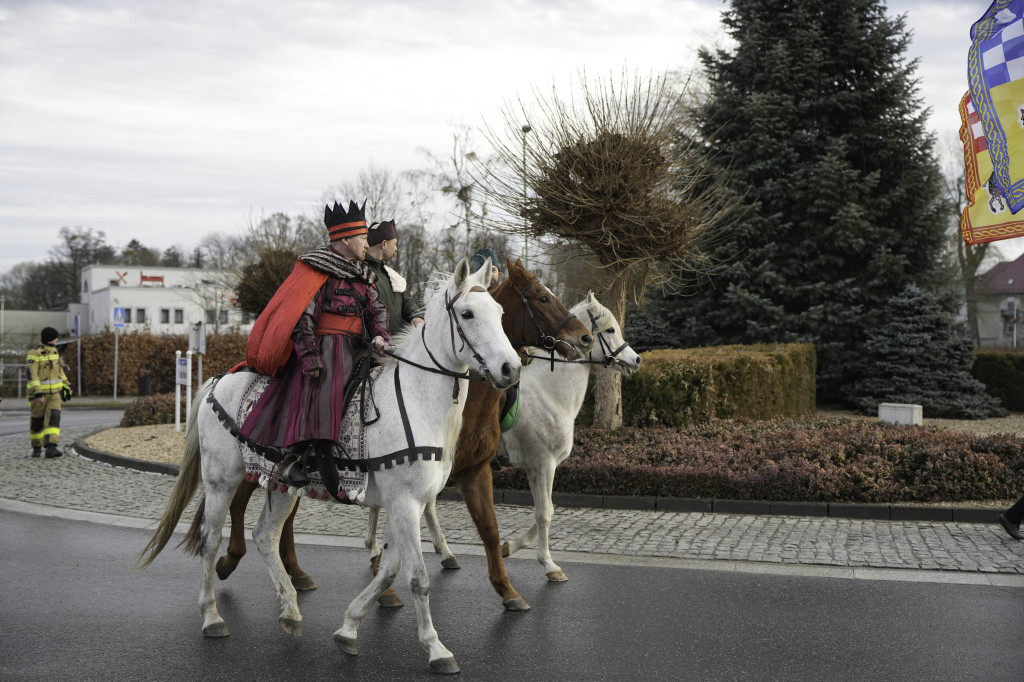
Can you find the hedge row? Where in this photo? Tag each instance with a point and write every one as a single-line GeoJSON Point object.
{"type": "Point", "coordinates": [1002, 372]}
{"type": "Point", "coordinates": [806, 459]}
{"type": "Point", "coordinates": [150, 353]}
{"type": "Point", "coordinates": [691, 386]}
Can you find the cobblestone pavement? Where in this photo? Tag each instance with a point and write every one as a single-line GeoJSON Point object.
{"type": "Point", "coordinates": [75, 483]}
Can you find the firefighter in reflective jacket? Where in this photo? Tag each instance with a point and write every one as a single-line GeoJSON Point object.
{"type": "Point", "coordinates": [48, 387]}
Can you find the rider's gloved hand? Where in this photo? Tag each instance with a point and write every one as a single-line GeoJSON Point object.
{"type": "Point", "coordinates": [379, 344]}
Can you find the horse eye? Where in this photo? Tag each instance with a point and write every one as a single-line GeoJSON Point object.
{"type": "Point", "coordinates": [467, 315]}
{"type": "Point", "coordinates": [608, 331]}
{"type": "Point", "coordinates": [543, 299]}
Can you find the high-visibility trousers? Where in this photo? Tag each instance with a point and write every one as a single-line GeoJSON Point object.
{"type": "Point", "coordinates": [44, 422]}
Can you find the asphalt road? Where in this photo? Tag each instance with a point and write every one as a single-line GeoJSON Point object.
{"type": "Point", "coordinates": [73, 609]}
{"type": "Point", "coordinates": [15, 421]}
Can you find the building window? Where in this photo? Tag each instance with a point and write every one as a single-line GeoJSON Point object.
{"type": "Point", "coordinates": [246, 317]}
{"type": "Point", "coordinates": [179, 316]}
{"type": "Point", "coordinates": [211, 316]}
{"type": "Point", "coordinates": [85, 285]}
{"type": "Point", "coordinates": [165, 316]}
{"type": "Point", "coordinates": [140, 315]}
{"type": "Point", "coordinates": [224, 316]}
{"type": "Point", "coordinates": [127, 315]}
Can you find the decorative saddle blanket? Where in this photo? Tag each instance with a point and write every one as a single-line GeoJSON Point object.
{"type": "Point", "coordinates": [351, 441]}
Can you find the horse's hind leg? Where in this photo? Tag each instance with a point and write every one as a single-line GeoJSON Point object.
{"type": "Point", "coordinates": [236, 543]}
{"type": "Point", "coordinates": [300, 579]}
{"type": "Point", "coordinates": [215, 510]}
{"type": "Point", "coordinates": [448, 559]}
{"type": "Point", "coordinates": [541, 483]}
{"type": "Point", "coordinates": [267, 536]}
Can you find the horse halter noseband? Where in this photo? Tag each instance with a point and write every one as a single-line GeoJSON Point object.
{"type": "Point", "coordinates": [610, 356]}
{"type": "Point", "coordinates": [547, 341]}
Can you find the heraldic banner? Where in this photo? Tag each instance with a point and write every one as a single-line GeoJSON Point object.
{"type": "Point", "coordinates": [986, 217]}
{"type": "Point", "coordinates": [995, 77]}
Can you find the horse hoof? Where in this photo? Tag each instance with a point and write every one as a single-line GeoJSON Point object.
{"type": "Point", "coordinates": [445, 666]}
{"type": "Point", "coordinates": [390, 600]}
{"type": "Point", "coordinates": [291, 626]}
{"type": "Point", "coordinates": [557, 576]}
{"type": "Point", "coordinates": [225, 566]}
{"type": "Point", "coordinates": [216, 630]}
{"type": "Point", "coordinates": [516, 604]}
{"type": "Point", "coordinates": [451, 562]}
{"type": "Point", "coordinates": [347, 644]}
{"type": "Point", "coordinates": [303, 583]}
{"type": "Point", "coordinates": [505, 550]}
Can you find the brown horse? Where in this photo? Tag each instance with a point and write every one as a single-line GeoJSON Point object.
{"type": "Point", "coordinates": [532, 317]}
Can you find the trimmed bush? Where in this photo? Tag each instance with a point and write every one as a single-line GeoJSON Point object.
{"type": "Point", "coordinates": [691, 386]}
{"type": "Point", "coordinates": [808, 459]}
{"type": "Point", "coordinates": [152, 409]}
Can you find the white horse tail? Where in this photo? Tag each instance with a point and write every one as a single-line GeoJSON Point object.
{"type": "Point", "coordinates": [184, 488]}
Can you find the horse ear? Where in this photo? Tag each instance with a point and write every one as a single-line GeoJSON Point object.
{"type": "Point", "coordinates": [461, 273]}
{"type": "Point", "coordinates": [590, 297]}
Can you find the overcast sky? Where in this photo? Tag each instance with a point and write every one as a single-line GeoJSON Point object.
{"type": "Point", "coordinates": [168, 121]}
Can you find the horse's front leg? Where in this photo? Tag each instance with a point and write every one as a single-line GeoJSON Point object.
{"type": "Point", "coordinates": [478, 490]}
{"type": "Point", "coordinates": [541, 484]}
{"type": "Point", "coordinates": [370, 540]}
{"type": "Point", "coordinates": [448, 559]}
{"type": "Point", "coordinates": [404, 541]}
{"type": "Point", "coordinates": [267, 536]}
{"type": "Point", "coordinates": [300, 579]}
{"type": "Point", "coordinates": [236, 543]}
{"type": "Point", "coordinates": [210, 518]}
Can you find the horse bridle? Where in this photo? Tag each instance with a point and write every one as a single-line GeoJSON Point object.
{"type": "Point", "coordinates": [547, 341]}
{"type": "Point", "coordinates": [453, 326]}
{"type": "Point", "coordinates": [610, 356]}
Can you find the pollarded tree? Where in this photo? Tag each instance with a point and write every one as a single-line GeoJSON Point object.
{"type": "Point", "coordinates": [623, 175]}
{"type": "Point", "coordinates": [915, 357]}
{"type": "Point", "coordinates": [818, 118]}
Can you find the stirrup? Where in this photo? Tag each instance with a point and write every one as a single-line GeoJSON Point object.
{"type": "Point", "coordinates": [294, 475]}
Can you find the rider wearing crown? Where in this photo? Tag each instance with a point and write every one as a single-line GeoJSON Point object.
{"type": "Point", "coordinates": [306, 338]}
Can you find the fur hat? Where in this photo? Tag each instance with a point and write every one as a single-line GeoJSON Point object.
{"type": "Point", "coordinates": [381, 232]}
{"type": "Point", "coordinates": [482, 255]}
{"type": "Point", "coordinates": [49, 334]}
{"type": "Point", "coordinates": [342, 223]}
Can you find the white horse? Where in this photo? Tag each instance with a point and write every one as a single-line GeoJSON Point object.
{"type": "Point", "coordinates": [541, 439]}
{"type": "Point", "coordinates": [462, 331]}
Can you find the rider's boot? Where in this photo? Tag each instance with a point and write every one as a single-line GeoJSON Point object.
{"type": "Point", "coordinates": [324, 451]}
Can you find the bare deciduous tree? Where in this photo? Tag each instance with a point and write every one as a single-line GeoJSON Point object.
{"type": "Point", "coordinates": [622, 174]}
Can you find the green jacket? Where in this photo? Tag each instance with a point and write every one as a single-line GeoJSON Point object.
{"type": "Point", "coordinates": [391, 287]}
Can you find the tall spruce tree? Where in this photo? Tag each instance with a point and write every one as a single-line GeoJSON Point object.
{"type": "Point", "coordinates": [817, 117]}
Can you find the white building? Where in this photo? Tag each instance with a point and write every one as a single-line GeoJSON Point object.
{"type": "Point", "coordinates": [160, 300]}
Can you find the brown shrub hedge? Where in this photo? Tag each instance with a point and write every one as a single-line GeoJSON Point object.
{"type": "Point", "coordinates": [808, 459]}
{"type": "Point", "coordinates": [137, 350]}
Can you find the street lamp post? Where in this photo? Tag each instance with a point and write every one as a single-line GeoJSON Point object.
{"type": "Point", "coordinates": [526, 237]}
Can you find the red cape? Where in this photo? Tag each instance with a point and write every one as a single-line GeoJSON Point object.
{"type": "Point", "coordinates": [270, 342]}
